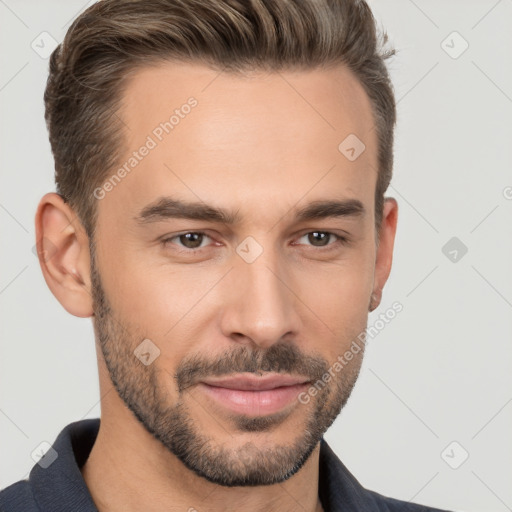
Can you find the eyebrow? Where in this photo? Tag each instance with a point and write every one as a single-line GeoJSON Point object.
{"type": "Point", "coordinates": [166, 208]}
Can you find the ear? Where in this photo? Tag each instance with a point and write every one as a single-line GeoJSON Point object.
{"type": "Point", "coordinates": [384, 256]}
{"type": "Point", "coordinates": [63, 251]}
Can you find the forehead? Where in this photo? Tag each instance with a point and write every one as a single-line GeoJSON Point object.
{"type": "Point", "coordinates": [276, 136]}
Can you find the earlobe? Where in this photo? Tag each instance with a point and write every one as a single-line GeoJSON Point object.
{"type": "Point", "coordinates": [63, 251]}
{"type": "Point", "coordinates": [384, 257]}
{"type": "Point", "coordinates": [375, 300]}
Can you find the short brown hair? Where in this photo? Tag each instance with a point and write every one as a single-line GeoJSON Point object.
{"type": "Point", "coordinates": [114, 38]}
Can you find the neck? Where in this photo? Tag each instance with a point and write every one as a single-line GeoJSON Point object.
{"type": "Point", "coordinates": [129, 470]}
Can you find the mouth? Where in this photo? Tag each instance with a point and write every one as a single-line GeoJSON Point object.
{"type": "Point", "coordinates": [255, 396]}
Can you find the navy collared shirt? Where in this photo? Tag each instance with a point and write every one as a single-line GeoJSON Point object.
{"type": "Point", "coordinates": [60, 487]}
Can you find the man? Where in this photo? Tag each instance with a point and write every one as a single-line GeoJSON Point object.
{"type": "Point", "coordinates": [220, 169]}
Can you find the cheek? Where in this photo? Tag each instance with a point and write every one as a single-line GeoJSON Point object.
{"type": "Point", "coordinates": [338, 298]}
{"type": "Point", "coordinates": [341, 291]}
{"type": "Point", "coordinates": [165, 304]}
{"type": "Point", "coordinates": [340, 309]}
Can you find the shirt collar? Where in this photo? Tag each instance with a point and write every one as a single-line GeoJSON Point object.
{"type": "Point", "coordinates": [60, 487]}
{"type": "Point", "coordinates": [338, 489]}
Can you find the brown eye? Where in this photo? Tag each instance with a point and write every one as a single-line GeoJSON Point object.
{"type": "Point", "coordinates": [319, 238]}
{"type": "Point", "coordinates": [323, 239]}
{"type": "Point", "coordinates": [191, 240]}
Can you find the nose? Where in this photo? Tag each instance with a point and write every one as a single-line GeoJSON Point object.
{"type": "Point", "coordinates": [261, 303]}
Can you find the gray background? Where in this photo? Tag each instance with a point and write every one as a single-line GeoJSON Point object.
{"type": "Point", "coordinates": [438, 373]}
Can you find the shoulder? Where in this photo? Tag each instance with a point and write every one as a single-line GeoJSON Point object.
{"type": "Point", "coordinates": [18, 497]}
{"type": "Point", "coordinates": [386, 504]}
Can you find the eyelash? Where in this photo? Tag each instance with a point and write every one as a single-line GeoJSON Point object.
{"type": "Point", "coordinates": [340, 240]}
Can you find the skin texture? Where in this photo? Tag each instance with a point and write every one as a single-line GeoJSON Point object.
{"type": "Point", "coordinates": [262, 145]}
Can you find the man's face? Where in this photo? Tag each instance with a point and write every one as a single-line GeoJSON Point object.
{"type": "Point", "coordinates": [266, 293]}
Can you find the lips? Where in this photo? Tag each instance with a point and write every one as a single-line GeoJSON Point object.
{"type": "Point", "coordinates": [256, 383]}
{"type": "Point", "coordinates": [253, 395]}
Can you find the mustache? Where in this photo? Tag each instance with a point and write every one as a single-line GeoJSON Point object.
{"type": "Point", "coordinates": [281, 357]}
